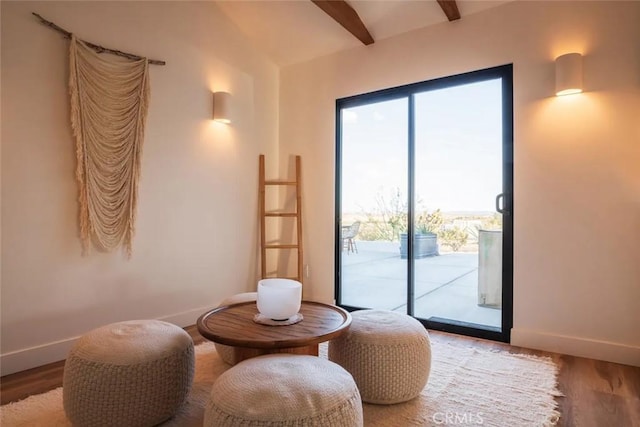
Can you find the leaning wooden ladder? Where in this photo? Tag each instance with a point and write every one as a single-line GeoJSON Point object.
{"type": "Point", "coordinates": [297, 215]}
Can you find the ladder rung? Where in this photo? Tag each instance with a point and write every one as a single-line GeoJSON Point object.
{"type": "Point", "coordinates": [281, 246]}
{"type": "Point", "coordinates": [280, 183]}
{"type": "Point", "coordinates": [284, 214]}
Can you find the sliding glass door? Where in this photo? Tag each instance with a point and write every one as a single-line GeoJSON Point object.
{"type": "Point", "coordinates": [424, 199]}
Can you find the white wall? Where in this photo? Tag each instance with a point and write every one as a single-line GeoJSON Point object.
{"type": "Point", "coordinates": [196, 237]}
{"type": "Point", "coordinates": [577, 159]}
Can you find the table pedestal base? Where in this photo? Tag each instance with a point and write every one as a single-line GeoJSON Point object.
{"type": "Point", "coordinates": [243, 353]}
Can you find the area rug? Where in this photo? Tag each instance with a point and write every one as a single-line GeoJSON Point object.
{"type": "Point", "coordinates": [467, 386]}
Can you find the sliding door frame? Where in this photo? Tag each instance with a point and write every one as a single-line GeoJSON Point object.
{"type": "Point", "coordinates": [503, 72]}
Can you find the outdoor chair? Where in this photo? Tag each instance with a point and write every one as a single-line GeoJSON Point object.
{"type": "Point", "coordinates": [349, 234]}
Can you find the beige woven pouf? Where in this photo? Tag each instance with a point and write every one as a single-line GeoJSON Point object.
{"type": "Point", "coordinates": [225, 351]}
{"type": "Point", "coordinates": [135, 373]}
{"type": "Point", "coordinates": [284, 390]}
{"type": "Point", "coordinates": [388, 354]}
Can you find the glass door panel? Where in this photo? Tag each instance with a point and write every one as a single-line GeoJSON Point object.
{"type": "Point", "coordinates": [373, 201]}
{"type": "Point", "coordinates": [458, 177]}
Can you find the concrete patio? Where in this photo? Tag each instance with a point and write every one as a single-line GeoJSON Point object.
{"type": "Point", "coordinates": [446, 286]}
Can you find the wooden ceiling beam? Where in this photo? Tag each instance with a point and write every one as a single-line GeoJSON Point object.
{"type": "Point", "coordinates": [450, 8]}
{"type": "Point", "coordinates": [346, 16]}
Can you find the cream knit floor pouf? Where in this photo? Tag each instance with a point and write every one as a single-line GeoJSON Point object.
{"type": "Point", "coordinates": [284, 390]}
{"type": "Point", "coordinates": [388, 354]}
{"type": "Point", "coordinates": [135, 373]}
{"type": "Point", "coordinates": [225, 351]}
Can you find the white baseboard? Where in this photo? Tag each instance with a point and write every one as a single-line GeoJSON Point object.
{"type": "Point", "coordinates": [20, 360]}
{"type": "Point", "coordinates": [27, 358]}
{"type": "Point", "coordinates": [186, 318]}
{"type": "Point", "coordinates": [576, 346]}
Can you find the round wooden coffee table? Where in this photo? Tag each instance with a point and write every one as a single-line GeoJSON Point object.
{"type": "Point", "coordinates": [233, 325]}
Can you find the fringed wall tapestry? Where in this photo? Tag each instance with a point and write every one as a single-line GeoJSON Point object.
{"type": "Point", "coordinates": [109, 102]}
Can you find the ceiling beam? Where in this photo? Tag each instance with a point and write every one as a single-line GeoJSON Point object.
{"type": "Point", "coordinates": [344, 15]}
{"type": "Point", "coordinates": [450, 8]}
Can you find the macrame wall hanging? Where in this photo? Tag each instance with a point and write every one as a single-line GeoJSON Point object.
{"type": "Point", "coordinates": [109, 102]}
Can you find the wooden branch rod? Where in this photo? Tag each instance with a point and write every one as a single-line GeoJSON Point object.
{"type": "Point", "coordinates": [97, 48]}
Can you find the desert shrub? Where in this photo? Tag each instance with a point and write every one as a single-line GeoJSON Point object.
{"type": "Point", "coordinates": [429, 222]}
{"type": "Point", "coordinates": [387, 219]}
{"type": "Point", "coordinates": [454, 237]}
{"type": "Point", "coordinates": [492, 223]}
{"type": "Point", "coordinates": [374, 229]}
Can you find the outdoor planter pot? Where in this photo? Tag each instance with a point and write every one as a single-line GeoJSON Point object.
{"type": "Point", "coordinates": [424, 245]}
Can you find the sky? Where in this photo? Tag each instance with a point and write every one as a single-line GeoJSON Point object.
{"type": "Point", "coordinates": [458, 153]}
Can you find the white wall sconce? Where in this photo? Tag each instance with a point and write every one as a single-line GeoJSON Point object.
{"type": "Point", "coordinates": [222, 107]}
{"type": "Point", "coordinates": [568, 74]}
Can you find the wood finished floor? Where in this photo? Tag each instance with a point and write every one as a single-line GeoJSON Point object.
{"type": "Point", "coordinates": [596, 393]}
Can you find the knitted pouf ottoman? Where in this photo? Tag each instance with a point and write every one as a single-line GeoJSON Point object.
{"type": "Point", "coordinates": [284, 390]}
{"type": "Point", "coordinates": [135, 373]}
{"type": "Point", "coordinates": [225, 351]}
{"type": "Point", "coordinates": [388, 354]}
